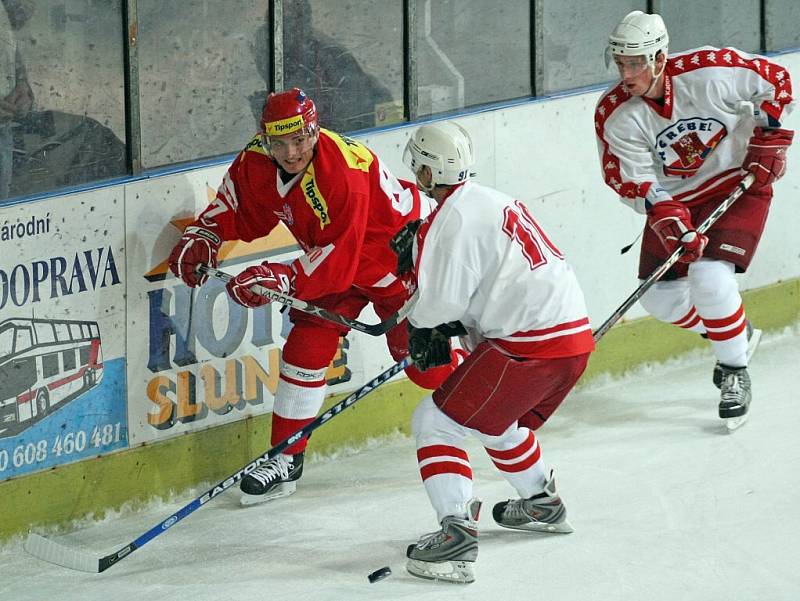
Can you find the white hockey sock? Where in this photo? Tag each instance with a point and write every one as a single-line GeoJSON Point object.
{"type": "Point", "coordinates": [300, 391]}
{"type": "Point", "coordinates": [518, 456]}
{"type": "Point", "coordinates": [716, 295]}
{"type": "Point", "coordinates": [443, 464]}
{"type": "Point", "coordinates": [671, 302]}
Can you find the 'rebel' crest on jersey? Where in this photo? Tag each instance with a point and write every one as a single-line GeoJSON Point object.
{"type": "Point", "coordinates": [684, 146]}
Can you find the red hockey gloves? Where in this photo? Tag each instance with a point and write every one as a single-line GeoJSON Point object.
{"type": "Point", "coordinates": [766, 154]}
{"type": "Point", "coordinates": [197, 245]}
{"type": "Point", "coordinates": [672, 223]}
{"type": "Point", "coordinates": [275, 277]}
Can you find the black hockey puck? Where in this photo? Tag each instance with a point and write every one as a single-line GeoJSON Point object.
{"type": "Point", "coordinates": [377, 575]}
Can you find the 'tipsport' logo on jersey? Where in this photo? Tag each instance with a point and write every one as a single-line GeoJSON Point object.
{"type": "Point", "coordinates": [314, 197]}
{"type": "Point", "coordinates": [684, 146]}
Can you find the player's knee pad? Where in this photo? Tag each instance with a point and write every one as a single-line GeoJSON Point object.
{"type": "Point", "coordinates": [310, 346]}
{"type": "Point", "coordinates": [712, 282]}
{"type": "Point", "coordinates": [511, 437]}
{"type": "Point", "coordinates": [667, 301]}
{"type": "Point", "coordinates": [430, 423]}
{"type": "Point", "coordinates": [423, 416]}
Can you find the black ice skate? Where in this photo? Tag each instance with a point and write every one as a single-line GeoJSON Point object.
{"type": "Point", "coordinates": [544, 512]}
{"type": "Point", "coordinates": [735, 397]}
{"type": "Point", "coordinates": [272, 480]}
{"type": "Point", "coordinates": [448, 554]}
{"type": "Point", "coordinates": [753, 338]}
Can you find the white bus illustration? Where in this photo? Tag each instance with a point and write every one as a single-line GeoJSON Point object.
{"type": "Point", "coordinates": [44, 364]}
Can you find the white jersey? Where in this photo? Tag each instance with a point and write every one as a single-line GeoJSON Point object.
{"type": "Point", "coordinates": [481, 259]}
{"type": "Point", "coordinates": [693, 144]}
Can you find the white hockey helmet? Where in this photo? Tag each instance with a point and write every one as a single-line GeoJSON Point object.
{"type": "Point", "coordinates": [446, 148]}
{"type": "Point", "coordinates": [638, 34]}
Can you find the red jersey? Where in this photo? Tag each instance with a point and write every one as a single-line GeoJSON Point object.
{"type": "Point", "coordinates": [343, 210]}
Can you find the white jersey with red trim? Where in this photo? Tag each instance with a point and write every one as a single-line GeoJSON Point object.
{"type": "Point", "coordinates": [694, 143]}
{"type": "Point", "coordinates": [482, 259]}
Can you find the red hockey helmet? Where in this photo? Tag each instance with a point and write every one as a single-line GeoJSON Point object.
{"type": "Point", "coordinates": [289, 112]}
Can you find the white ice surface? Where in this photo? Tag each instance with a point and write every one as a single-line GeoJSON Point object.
{"type": "Point", "coordinates": [666, 505]}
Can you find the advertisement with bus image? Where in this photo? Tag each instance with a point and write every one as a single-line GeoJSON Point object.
{"type": "Point", "coordinates": [44, 364]}
{"type": "Point", "coordinates": [60, 401]}
{"type": "Point", "coordinates": [62, 331]}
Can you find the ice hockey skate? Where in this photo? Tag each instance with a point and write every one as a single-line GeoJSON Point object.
{"type": "Point", "coordinates": [544, 512]}
{"type": "Point", "coordinates": [735, 397]}
{"type": "Point", "coordinates": [275, 479]}
{"type": "Point", "coordinates": [448, 554]}
{"type": "Point", "coordinates": [753, 338]}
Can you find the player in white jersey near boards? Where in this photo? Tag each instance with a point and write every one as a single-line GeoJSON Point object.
{"type": "Point", "coordinates": [482, 264]}
{"type": "Point", "coordinates": [675, 136]}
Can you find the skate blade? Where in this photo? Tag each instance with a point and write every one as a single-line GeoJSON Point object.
{"type": "Point", "coordinates": [458, 572]}
{"type": "Point", "coordinates": [561, 528]}
{"type": "Point", "coordinates": [282, 490]}
{"type": "Point", "coordinates": [734, 423]}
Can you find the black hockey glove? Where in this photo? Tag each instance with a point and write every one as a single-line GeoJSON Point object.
{"type": "Point", "coordinates": [428, 347]}
{"type": "Point", "coordinates": [402, 243]}
{"type": "Point", "coordinates": [452, 329]}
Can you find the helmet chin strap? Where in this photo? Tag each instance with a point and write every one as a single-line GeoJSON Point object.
{"type": "Point", "coordinates": [656, 77]}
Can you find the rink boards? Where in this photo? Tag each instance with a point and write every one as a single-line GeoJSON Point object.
{"type": "Point", "coordinates": [188, 377]}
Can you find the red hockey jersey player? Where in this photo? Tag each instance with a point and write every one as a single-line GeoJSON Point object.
{"type": "Point", "coordinates": [343, 206]}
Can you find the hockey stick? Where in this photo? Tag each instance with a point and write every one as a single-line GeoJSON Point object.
{"type": "Point", "coordinates": [377, 329]}
{"type": "Point", "coordinates": [659, 272]}
{"type": "Point", "coordinates": [77, 559]}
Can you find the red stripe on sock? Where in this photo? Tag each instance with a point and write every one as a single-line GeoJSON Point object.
{"type": "Point", "coordinates": [692, 323]}
{"type": "Point", "coordinates": [690, 316]}
{"type": "Point", "coordinates": [519, 450]}
{"type": "Point", "coordinates": [727, 334]}
{"type": "Point", "coordinates": [521, 465]}
{"type": "Point", "coordinates": [303, 383]}
{"type": "Point", "coordinates": [725, 321]}
{"type": "Point", "coordinates": [445, 467]}
{"type": "Point", "coordinates": [441, 450]}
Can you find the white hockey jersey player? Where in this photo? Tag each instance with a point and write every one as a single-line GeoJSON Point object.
{"type": "Point", "coordinates": [675, 136]}
{"type": "Point", "coordinates": [692, 145]}
{"type": "Point", "coordinates": [482, 259]}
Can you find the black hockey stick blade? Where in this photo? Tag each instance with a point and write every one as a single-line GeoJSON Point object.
{"type": "Point", "coordinates": [377, 329]}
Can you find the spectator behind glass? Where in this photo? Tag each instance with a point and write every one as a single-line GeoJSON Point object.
{"type": "Point", "coordinates": [347, 98]}
{"type": "Point", "coordinates": [44, 150]}
{"type": "Point", "coordinates": [16, 96]}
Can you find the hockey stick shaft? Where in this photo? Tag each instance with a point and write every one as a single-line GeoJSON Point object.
{"type": "Point", "coordinates": [57, 553]}
{"type": "Point", "coordinates": [659, 272]}
{"type": "Point", "coordinates": [377, 329]}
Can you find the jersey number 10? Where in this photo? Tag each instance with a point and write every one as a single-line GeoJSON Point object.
{"type": "Point", "coordinates": [521, 227]}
